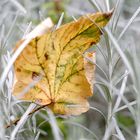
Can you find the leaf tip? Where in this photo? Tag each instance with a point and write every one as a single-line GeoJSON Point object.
{"type": "Point", "coordinates": [109, 14]}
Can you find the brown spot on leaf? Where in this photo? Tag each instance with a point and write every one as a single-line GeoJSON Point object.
{"type": "Point", "coordinates": [35, 75]}
{"type": "Point", "coordinates": [46, 56]}
{"type": "Point", "coordinates": [18, 70]}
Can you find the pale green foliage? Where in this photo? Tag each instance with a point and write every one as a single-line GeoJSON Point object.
{"type": "Point", "coordinates": [115, 106]}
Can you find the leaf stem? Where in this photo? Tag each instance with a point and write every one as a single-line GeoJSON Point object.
{"type": "Point", "coordinates": [18, 119]}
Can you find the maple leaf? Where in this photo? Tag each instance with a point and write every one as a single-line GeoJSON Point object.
{"type": "Point", "coordinates": [54, 61]}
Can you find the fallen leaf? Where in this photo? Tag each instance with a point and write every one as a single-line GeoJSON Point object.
{"type": "Point", "coordinates": [55, 64]}
{"type": "Point", "coordinates": [89, 66]}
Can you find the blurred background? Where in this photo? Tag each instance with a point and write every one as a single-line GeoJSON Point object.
{"type": "Point", "coordinates": [18, 15]}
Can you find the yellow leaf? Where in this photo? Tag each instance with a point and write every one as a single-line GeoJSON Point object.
{"type": "Point", "coordinates": [89, 66]}
{"type": "Point", "coordinates": [54, 63]}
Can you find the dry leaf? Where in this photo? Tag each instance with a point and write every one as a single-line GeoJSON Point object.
{"type": "Point", "coordinates": [54, 63]}
{"type": "Point", "coordinates": [89, 66]}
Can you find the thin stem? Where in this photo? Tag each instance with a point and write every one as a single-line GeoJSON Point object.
{"type": "Point", "coordinates": [18, 119]}
{"type": "Point", "coordinates": [109, 124]}
{"type": "Point", "coordinates": [138, 119]}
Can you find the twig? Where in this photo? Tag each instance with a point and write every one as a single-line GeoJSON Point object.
{"type": "Point", "coordinates": [32, 112]}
